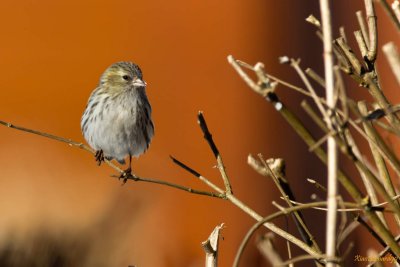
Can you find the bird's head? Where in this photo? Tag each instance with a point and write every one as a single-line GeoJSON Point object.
{"type": "Point", "coordinates": [122, 76]}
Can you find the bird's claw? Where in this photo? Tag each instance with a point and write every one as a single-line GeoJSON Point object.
{"type": "Point", "coordinates": [125, 175]}
{"type": "Point", "coordinates": [99, 156]}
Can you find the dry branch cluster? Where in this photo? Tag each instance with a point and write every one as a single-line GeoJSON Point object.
{"type": "Point", "coordinates": [336, 121]}
{"type": "Point", "coordinates": [375, 206]}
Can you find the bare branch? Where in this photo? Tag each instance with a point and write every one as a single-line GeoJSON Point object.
{"type": "Point", "coordinates": [217, 155]}
{"type": "Point", "coordinates": [132, 176]}
{"type": "Point", "coordinates": [210, 246]}
{"type": "Point", "coordinates": [372, 30]}
{"type": "Point", "coordinates": [393, 57]}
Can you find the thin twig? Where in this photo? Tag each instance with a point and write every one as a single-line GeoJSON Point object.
{"type": "Point", "coordinates": [235, 201]}
{"type": "Point", "coordinates": [347, 231]}
{"type": "Point", "coordinates": [275, 168]}
{"type": "Point", "coordinates": [198, 175]}
{"type": "Point", "coordinates": [385, 251]}
{"type": "Point", "coordinates": [381, 99]}
{"type": "Point", "coordinates": [132, 177]}
{"type": "Point", "coordinates": [266, 246]}
{"type": "Point", "coordinates": [309, 257]}
{"type": "Point", "coordinates": [210, 247]}
{"type": "Point", "coordinates": [393, 57]}
{"type": "Point", "coordinates": [377, 207]}
{"type": "Point", "coordinates": [312, 74]}
{"type": "Point", "coordinates": [362, 45]}
{"type": "Point", "coordinates": [313, 20]}
{"type": "Point", "coordinates": [342, 33]}
{"type": "Point", "coordinates": [383, 148]}
{"type": "Point", "coordinates": [396, 12]}
{"type": "Point", "coordinates": [372, 30]}
{"type": "Point", "coordinates": [391, 13]}
{"type": "Point", "coordinates": [316, 184]}
{"type": "Point", "coordinates": [344, 114]}
{"type": "Point", "coordinates": [342, 93]}
{"type": "Point", "coordinates": [296, 65]}
{"type": "Point", "coordinates": [379, 161]}
{"type": "Point", "coordinates": [273, 216]}
{"type": "Point", "coordinates": [214, 149]}
{"type": "Point", "coordinates": [356, 207]}
{"type": "Point", "coordinates": [350, 56]}
{"type": "Point", "coordinates": [363, 26]}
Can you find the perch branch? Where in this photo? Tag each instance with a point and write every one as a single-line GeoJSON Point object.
{"type": "Point", "coordinates": [111, 164]}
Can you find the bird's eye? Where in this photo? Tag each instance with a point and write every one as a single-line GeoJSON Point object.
{"type": "Point", "coordinates": [126, 77]}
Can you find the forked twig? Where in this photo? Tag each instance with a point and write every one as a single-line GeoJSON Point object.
{"type": "Point", "coordinates": [86, 148]}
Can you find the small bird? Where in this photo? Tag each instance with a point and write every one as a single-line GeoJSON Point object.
{"type": "Point", "coordinates": [117, 120]}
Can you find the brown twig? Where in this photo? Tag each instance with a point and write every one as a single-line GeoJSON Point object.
{"type": "Point", "coordinates": [393, 57]}
{"type": "Point", "coordinates": [210, 247]}
{"type": "Point", "coordinates": [273, 216]}
{"type": "Point", "coordinates": [267, 247]}
{"type": "Point", "coordinates": [391, 13]}
{"type": "Point", "coordinates": [235, 201]}
{"type": "Point", "coordinates": [385, 251]}
{"type": "Point", "coordinates": [214, 149]}
{"type": "Point", "coordinates": [372, 30]}
{"type": "Point", "coordinates": [396, 12]}
{"type": "Point", "coordinates": [348, 184]}
{"type": "Point", "coordinates": [132, 177]}
{"type": "Point", "coordinates": [379, 161]}
{"type": "Point", "coordinates": [275, 168]}
{"type": "Point", "coordinates": [363, 26]}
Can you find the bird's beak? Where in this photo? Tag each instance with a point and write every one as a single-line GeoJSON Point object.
{"type": "Point", "coordinates": [139, 83]}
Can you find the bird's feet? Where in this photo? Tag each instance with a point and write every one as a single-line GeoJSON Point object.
{"type": "Point", "coordinates": [99, 156]}
{"type": "Point", "coordinates": [126, 175]}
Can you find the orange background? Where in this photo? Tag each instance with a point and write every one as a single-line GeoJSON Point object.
{"type": "Point", "coordinates": [52, 54]}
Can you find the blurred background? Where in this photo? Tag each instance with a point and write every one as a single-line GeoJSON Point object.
{"type": "Point", "coordinates": [58, 208]}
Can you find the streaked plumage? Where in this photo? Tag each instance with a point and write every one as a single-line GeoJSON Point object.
{"type": "Point", "coordinates": [117, 119]}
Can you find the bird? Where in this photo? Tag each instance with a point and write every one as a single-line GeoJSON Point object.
{"type": "Point", "coordinates": [117, 121]}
